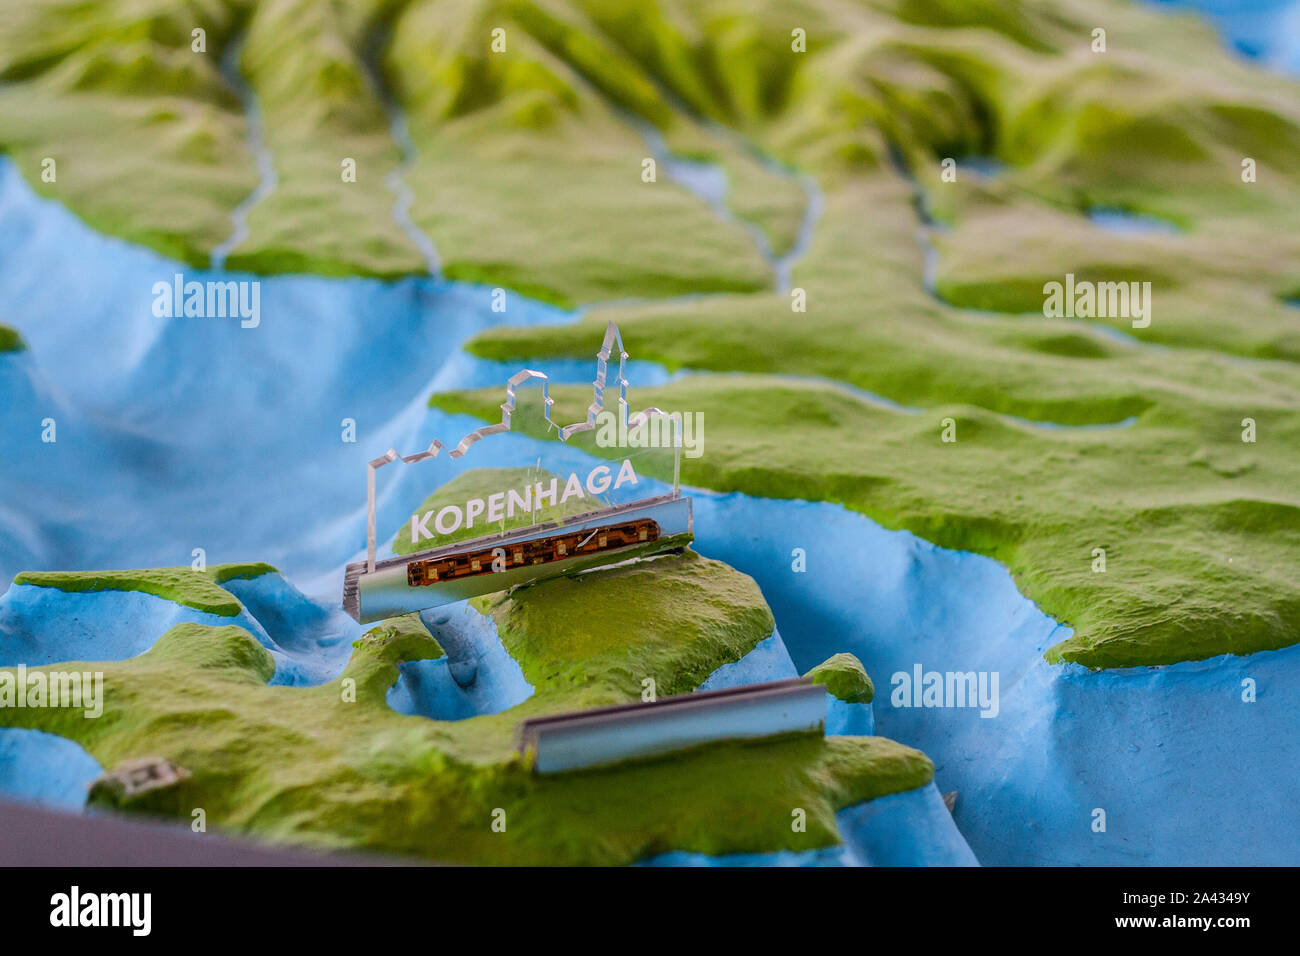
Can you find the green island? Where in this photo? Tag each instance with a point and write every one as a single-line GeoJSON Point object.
{"type": "Point", "coordinates": [10, 340]}
{"type": "Point", "coordinates": [845, 678]}
{"type": "Point", "coordinates": [404, 627]}
{"type": "Point", "coordinates": [200, 590]}
{"type": "Point", "coordinates": [1197, 540]}
{"type": "Point", "coordinates": [334, 767]}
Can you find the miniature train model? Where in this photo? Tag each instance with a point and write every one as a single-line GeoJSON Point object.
{"type": "Point", "coordinates": [536, 551]}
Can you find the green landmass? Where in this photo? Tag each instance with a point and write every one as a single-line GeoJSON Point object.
{"type": "Point", "coordinates": [479, 483]}
{"type": "Point", "coordinates": [1200, 529]}
{"type": "Point", "coordinates": [147, 138]}
{"type": "Point", "coordinates": [845, 678]}
{"type": "Point", "coordinates": [200, 590]}
{"type": "Point", "coordinates": [400, 629]}
{"type": "Point", "coordinates": [334, 767]}
{"type": "Point", "coordinates": [10, 340]}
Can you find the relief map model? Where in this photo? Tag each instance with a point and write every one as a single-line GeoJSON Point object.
{"type": "Point", "coordinates": [654, 432]}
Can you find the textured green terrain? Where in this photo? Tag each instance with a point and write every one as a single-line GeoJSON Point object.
{"type": "Point", "coordinates": [197, 589]}
{"type": "Point", "coordinates": [10, 341]}
{"type": "Point", "coordinates": [844, 676]}
{"type": "Point", "coordinates": [478, 483]}
{"type": "Point", "coordinates": [313, 766]}
{"type": "Point", "coordinates": [529, 159]}
{"type": "Point", "coordinates": [526, 173]}
{"type": "Point", "coordinates": [1199, 529]}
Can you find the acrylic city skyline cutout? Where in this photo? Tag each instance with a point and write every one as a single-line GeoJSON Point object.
{"type": "Point", "coordinates": [488, 524]}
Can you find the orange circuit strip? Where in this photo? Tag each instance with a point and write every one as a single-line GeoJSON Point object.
{"type": "Point", "coordinates": [536, 551]}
